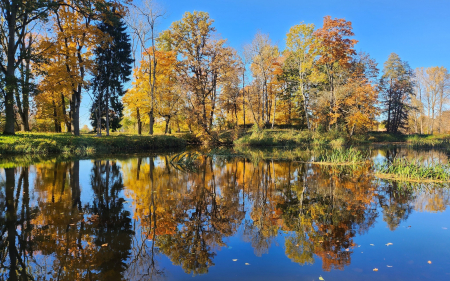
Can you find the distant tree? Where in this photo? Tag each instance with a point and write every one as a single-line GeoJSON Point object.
{"type": "Point", "coordinates": [397, 88]}
{"type": "Point", "coordinates": [113, 63]}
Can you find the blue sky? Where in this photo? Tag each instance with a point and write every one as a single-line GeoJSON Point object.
{"type": "Point", "coordinates": [418, 31]}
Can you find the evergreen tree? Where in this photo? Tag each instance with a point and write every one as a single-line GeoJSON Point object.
{"type": "Point", "coordinates": [113, 62]}
{"type": "Point", "coordinates": [397, 86]}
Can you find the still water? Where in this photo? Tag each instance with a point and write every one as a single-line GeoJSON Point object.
{"type": "Point", "coordinates": [144, 218]}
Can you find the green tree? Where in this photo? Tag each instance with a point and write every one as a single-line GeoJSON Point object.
{"type": "Point", "coordinates": [113, 64]}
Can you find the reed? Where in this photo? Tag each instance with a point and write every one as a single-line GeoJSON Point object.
{"type": "Point", "coordinates": [343, 155]}
{"type": "Point", "coordinates": [403, 169]}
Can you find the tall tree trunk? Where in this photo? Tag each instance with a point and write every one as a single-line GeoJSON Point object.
{"type": "Point", "coordinates": [274, 109]}
{"type": "Point", "coordinates": [98, 115]}
{"type": "Point", "coordinates": [152, 120]}
{"type": "Point", "coordinates": [107, 111]}
{"type": "Point", "coordinates": [11, 83]}
{"type": "Point", "coordinates": [138, 116]}
{"type": "Point", "coordinates": [75, 111]}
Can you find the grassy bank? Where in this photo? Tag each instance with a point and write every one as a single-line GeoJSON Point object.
{"type": "Point", "coordinates": [406, 170]}
{"type": "Point", "coordinates": [334, 138]}
{"type": "Point", "coordinates": [49, 143]}
{"type": "Point", "coordinates": [289, 137]}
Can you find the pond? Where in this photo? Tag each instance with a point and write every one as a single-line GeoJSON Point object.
{"type": "Point", "coordinates": [226, 218]}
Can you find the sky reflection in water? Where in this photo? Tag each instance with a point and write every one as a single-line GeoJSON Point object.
{"type": "Point", "coordinates": [141, 218]}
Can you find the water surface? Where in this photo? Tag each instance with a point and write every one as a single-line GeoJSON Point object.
{"type": "Point", "coordinates": [235, 218]}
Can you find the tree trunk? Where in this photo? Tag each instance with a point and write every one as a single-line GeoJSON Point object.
{"type": "Point", "coordinates": [75, 111]}
{"type": "Point", "coordinates": [138, 116]}
{"type": "Point", "coordinates": [107, 111]}
{"type": "Point", "coordinates": [9, 76]}
{"type": "Point", "coordinates": [152, 120]}
{"type": "Point", "coordinates": [274, 109]}
{"type": "Point", "coordinates": [167, 125]}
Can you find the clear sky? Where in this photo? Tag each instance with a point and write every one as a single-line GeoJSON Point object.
{"type": "Point", "coordinates": [417, 30]}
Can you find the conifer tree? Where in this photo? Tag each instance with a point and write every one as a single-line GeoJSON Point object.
{"type": "Point", "coordinates": [113, 63]}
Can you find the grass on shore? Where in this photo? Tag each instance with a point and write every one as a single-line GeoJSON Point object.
{"type": "Point", "coordinates": [406, 170]}
{"type": "Point", "coordinates": [290, 138]}
{"type": "Point", "coordinates": [86, 144]}
{"type": "Point", "coordinates": [343, 156]}
{"type": "Point", "coordinates": [429, 141]}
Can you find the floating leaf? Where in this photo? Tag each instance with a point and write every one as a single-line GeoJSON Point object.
{"type": "Point", "coordinates": [429, 262]}
{"type": "Point", "coordinates": [247, 263]}
{"type": "Point", "coordinates": [105, 245]}
{"type": "Point", "coordinates": [347, 249]}
{"type": "Point", "coordinates": [372, 245]}
{"type": "Point", "coordinates": [389, 244]}
{"type": "Point", "coordinates": [389, 265]}
{"type": "Point", "coordinates": [321, 278]}
{"type": "Point", "coordinates": [234, 259]}
{"type": "Point", "coordinates": [375, 269]}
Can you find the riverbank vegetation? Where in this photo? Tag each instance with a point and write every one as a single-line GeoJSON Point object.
{"type": "Point", "coordinates": [414, 170]}
{"type": "Point", "coordinates": [86, 144]}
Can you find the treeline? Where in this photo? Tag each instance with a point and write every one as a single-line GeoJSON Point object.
{"type": "Point", "coordinates": [187, 78]}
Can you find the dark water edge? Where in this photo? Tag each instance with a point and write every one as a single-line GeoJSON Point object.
{"type": "Point", "coordinates": [251, 217]}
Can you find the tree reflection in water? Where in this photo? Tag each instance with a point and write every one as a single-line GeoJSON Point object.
{"type": "Point", "coordinates": [142, 209]}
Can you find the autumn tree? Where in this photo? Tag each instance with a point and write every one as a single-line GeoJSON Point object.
{"type": "Point", "coordinates": [396, 86]}
{"type": "Point", "coordinates": [336, 50]}
{"type": "Point", "coordinates": [203, 60]}
{"type": "Point", "coordinates": [432, 89]}
{"type": "Point", "coordinates": [300, 43]}
{"type": "Point", "coordinates": [262, 55]}
{"type": "Point", "coordinates": [143, 21]}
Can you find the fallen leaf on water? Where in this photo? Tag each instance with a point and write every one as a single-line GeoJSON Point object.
{"type": "Point", "coordinates": [247, 263]}
{"type": "Point", "coordinates": [375, 269]}
{"type": "Point", "coordinates": [389, 244]}
{"type": "Point", "coordinates": [105, 245]}
{"type": "Point", "coordinates": [72, 224]}
{"type": "Point", "coordinates": [429, 262]}
{"type": "Point", "coordinates": [389, 265]}
{"type": "Point", "coordinates": [234, 259]}
{"type": "Point", "coordinates": [321, 278]}
{"type": "Point", "coordinates": [372, 245]}
{"type": "Point", "coordinates": [347, 249]}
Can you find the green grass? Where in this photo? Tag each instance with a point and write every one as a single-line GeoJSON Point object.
{"type": "Point", "coordinates": [429, 141]}
{"type": "Point", "coordinates": [403, 169]}
{"type": "Point", "coordinates": [290, 138]}
{"type": "Point", "coordinates": [343, 156]}
{"type": "Point", "coordinates": [87, 144]}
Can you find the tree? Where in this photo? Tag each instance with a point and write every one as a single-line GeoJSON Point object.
{"type": "Point", "coordinates": [143, 21]}
{"type": "Point", "coordinates": [300, 43]}
{"type": "Point", "coordinates": [17, 15]}
{"type": "Point", "coordinates": [336, 51]}
{"type": "Point", "coordinates": [262, 55]}
{"type": "Point", "coordinates": [432, 86]}
{"type": "Point", "coordinates": [113, 68]}
{"type": "Point", "coordinates": [203, 61]}
{"type": "Point", "coordinates": [396, 86]}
